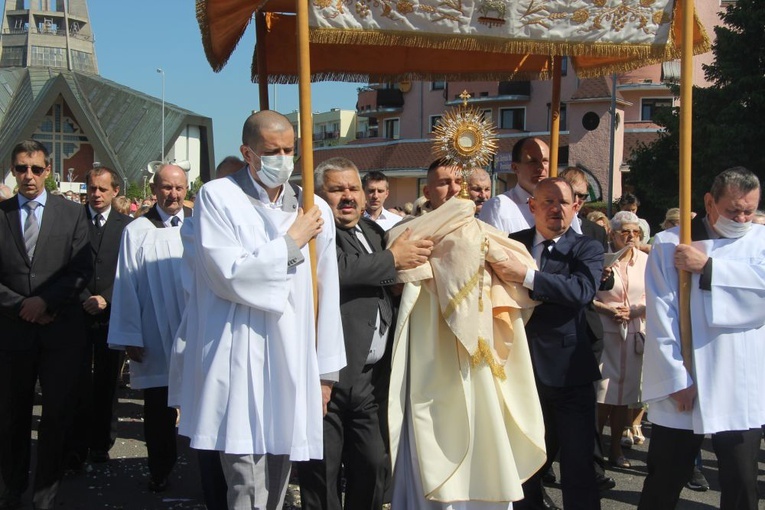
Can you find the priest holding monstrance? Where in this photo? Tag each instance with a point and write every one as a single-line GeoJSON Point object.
{"type": "Point", "coordinates": [466, 426]}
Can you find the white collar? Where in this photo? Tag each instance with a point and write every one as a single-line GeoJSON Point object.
{"type": "Point", "coordinates": [104, 215]}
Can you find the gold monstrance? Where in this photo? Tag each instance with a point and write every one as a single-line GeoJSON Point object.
{"type": "Point", "coordinates": [465, 138]}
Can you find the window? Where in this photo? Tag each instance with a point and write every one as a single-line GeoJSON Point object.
{"type": "Point", "coordinates": [433, 121]}
{"type": "Point", "coordinates": [648, 106]}
{"type": "Point", "coordinates": [60, 134]}
{"type": "Point", "coordinates": [487, 115]}
{"type": "Point", "coordinates": [45, 56]}
{"type": "Point", "coordinates": [564, 66]}
{"type": "Point", "coordinates": [392, 129]}
{"type": "Point", "coordinates": [437, 85]}
{"type": "Point", "coordinates": [13, 56]}
{"type": "Point", "coordinates": [512, 118]}
{"type": "Point", "coordinates": [83, 61]}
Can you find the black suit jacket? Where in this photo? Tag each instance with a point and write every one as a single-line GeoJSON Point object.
{"type": "Point", "coordinates": [594, 231]}
{"type": "Point", "coordinates": [364, 279]}
{"type": "Point", "coordinates": [60, 269]}
{"type": "Point", "coordinates": [105, 249]}
{"type": "Point", "coordinates": [557, 331]}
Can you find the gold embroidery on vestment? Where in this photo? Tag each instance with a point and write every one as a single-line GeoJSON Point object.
{"type": "Point", "coordinates": [484, 355]}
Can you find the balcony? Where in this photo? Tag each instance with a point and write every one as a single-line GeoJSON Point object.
{"type": "Point", "coordinates": [506, 91]}
{"type": "Point", "coordinates": [371, 133]}
{"type": "Point", "coordinates": [374, 102]}
{"type": "Point", "coordinates": [325, 135]}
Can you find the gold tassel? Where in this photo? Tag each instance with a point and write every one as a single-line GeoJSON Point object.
{"type": "Point", "coordinates": [484, 355]}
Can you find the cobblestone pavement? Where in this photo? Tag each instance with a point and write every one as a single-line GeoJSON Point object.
{"type": "Point", "coordinates": [120, 484]}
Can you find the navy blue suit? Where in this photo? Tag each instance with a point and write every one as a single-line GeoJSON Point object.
{"type": "Point", "coordinates": [564, 364]}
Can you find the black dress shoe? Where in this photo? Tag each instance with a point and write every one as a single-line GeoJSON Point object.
{"type": "Point", "coordinates": [158, 485]}
{"type": "Point", "coordinates": [547, 501]}
{"type": "Point", "coordinates": [604, 482]}
{"type": "Point", "coordinates": [99, 456]}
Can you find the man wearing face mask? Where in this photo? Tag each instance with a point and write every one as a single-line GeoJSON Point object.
{"type": "Point", "coordinates": [258, 367]}
{"type": "Point", "coordinates": [724, 394]}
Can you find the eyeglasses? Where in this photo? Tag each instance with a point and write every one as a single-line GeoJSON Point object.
{"type": "Point", "coordinates": [582, 196]}
{"type": "Point", "coordinates": [627, 233]}
{"type": "Point", "coordinates": [37, 170]}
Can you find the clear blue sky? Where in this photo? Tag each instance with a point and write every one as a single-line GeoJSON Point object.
{"type": "Point", "coordinates": [134, 38]}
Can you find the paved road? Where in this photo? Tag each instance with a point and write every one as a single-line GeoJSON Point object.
{"type": "Point", "coordinates": [121, 483]}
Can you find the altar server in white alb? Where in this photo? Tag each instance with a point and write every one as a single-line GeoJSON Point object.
{"type": "Point", "coordinates": [724, 394]}
{"type": "Point", "coordinates": [147, 306]}
{"type": "Point", "coordinates": [258, 369]}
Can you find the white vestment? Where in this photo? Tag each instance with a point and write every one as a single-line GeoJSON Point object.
{"type": "Point", "coordinates": [508, 212]}
{"type": "Point", "coordinates": [147, 301]}
{"type": "Point", "coordinates": [465, 420]}
{"type": "Point", "coordinates": [728, 325]}
{"type": "Point", "coordinates": [179, 344]}
{"type": "Point", "coordinates": [252, 364]}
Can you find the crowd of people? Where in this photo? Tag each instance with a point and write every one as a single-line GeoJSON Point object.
{"type": "Point", "coordinates": [441, 356]}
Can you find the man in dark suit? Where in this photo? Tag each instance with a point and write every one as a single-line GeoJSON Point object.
{"type": "Point", "coordinates": [578, 180]}
{"type": "Point", "coordinates": [561, 354]}
{"type": "Point", "coordinates": [45, 262]}
{"type": "Point", "coordinates": [95, 426]}
{"type": "Point", "coordinates": [355, 421]}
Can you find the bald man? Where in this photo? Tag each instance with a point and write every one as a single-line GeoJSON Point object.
{"type": "Point", "coordinates": [258, 369]}
{"type": "Point", "coordinates": [229, 165]}
{"type": "Point", "coordinates": [147, 304]}
{"type": "Point", "coordinates": [479, 188]}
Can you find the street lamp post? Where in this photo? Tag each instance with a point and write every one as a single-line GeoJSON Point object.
{"type": "Point", "coordinates": [162, 145]}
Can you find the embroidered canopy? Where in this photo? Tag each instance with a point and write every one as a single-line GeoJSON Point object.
{"type": "Point", "coordinates": [380, 40]}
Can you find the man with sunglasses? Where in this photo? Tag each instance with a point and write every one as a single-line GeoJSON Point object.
{"type": "Point", "coordinates": [45, 262]}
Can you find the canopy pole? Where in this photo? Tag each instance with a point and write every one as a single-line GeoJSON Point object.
{"type": "Point", "coordinates": [686, 109]}
{"type": "Point", "coordinates": [306, 132]}
{"type": "Point", "coordinates": [612, 148]}
{"type": "Point", "coordinates": [260, 48]}
{"type": "Point", "coordinates": [555, 115]}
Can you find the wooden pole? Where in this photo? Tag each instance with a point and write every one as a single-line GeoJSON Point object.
{"type": "Point", "coordinates": [306, 132]}
{"type": "Point", "coordinates": [555, 117]}
{"type": "Point", "coordinates": [686, 109]}
{"type": "Point", "coordinates": [260, 37]}
{"type": "Point", "coordinates": [611, 148]}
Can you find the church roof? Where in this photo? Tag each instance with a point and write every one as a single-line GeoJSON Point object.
{"type": "Point", "coordinates": [122, 124]}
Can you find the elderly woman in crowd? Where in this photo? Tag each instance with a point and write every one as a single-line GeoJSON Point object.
{"type": "Point", "coordinates": [601, 219]}
{"type": "Point", "coordinates": [622, 311]}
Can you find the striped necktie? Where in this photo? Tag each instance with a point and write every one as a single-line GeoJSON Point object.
{"type": "Point", "coordinates": [31, 228]}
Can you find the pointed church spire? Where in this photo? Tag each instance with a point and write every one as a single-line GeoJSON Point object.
{"type": "Point", "coordinates": [47, 33]}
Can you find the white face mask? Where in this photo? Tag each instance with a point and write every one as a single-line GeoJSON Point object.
{"type": "Point", "coordinates": [275, 170]}
{"type": "Point", "coordinates": [729, 228]}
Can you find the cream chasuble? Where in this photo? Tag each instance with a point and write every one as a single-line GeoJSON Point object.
{"type": "Point", "coordinates": [461, 367]}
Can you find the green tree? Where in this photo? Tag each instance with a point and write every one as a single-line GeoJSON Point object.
{"type": "Point", "coordinates": [135, 190]}
{"type": "Point", "coordinates": [727, 118]}
{"type": "Point", "coordinates": [50, 182]}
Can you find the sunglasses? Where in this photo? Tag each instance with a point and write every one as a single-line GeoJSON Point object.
{"type": "Point", "coordinates": [582, 196]}
{"type": "Point", "coordinates": [37, 170]}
